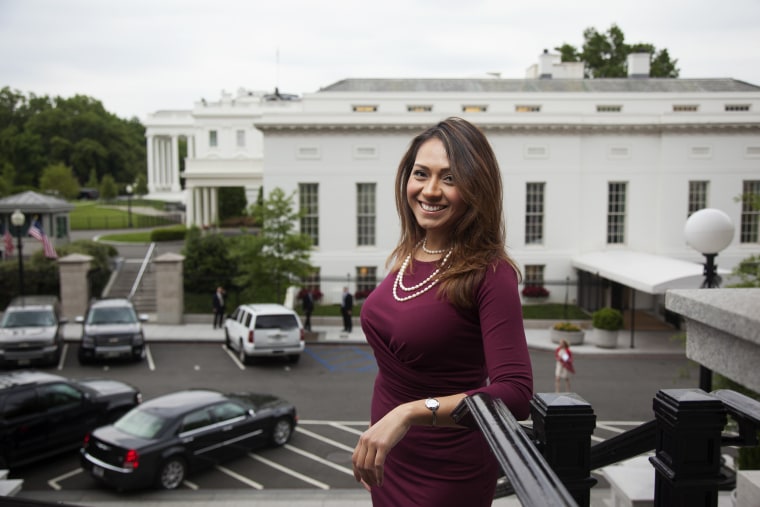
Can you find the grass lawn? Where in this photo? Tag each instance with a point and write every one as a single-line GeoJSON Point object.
{"type": "Point", "coordinates": [88, 215]}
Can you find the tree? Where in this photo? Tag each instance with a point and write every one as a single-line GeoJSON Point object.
{"type": "Point", "coordinates": [141, 185]}
{"type": "Point", "coordinates": [108, 188]}
{"type": "Point", "coordinates": [278, 256]}
{"type": "Point", "coordinates": [92, 181]}
{"type": "Point", "coordinates": [208, 263]}
{"type": "Point", "coordinates": [606, 54]}
{"type": "Point", "coordinates": [60, 180]}
{"type": "Point", "coordinates": [232, 202]}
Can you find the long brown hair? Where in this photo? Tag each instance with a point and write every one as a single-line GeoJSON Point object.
{"type": "Point", "coordinates": [478, 237]}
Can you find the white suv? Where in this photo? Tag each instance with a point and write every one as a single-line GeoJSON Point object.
{"type": "Point", "coordinates": [263, 330]}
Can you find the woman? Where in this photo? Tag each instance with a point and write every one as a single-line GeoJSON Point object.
{"type": "Point", "coordinates": [446, 323]}
{"type": "Point", "coordinates": [564, 366]}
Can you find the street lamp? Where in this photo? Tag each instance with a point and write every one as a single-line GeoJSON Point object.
{"type": "Point", "coordinates": [18, 219]}
{"type": "Point", "coordinates": [709, 231]}
{"type": "Point", "coordinates": [129, 206]}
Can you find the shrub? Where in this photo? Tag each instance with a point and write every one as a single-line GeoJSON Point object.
{"type": "Point", "coordinates": [535, 291]}
{"type": "Point", "coordinates": [567, 327]}
{"type": "Point", "coordinates": [607, 318]}
{"type": "Point", "coordinates": [174, 233]}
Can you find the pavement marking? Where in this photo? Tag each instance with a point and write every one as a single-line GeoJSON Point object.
{"type": "Point", "coordinates": [348, 429]}
{"type": "Point", "coordinates": [319, 459]}
{"type": "Point", "coordinates": [191, 485]}
{"type": "Point", "coordinates": [53, 483]}
{"type": "Point", "coordinates": [62, 359]}
{"type": "Point", "coordinates": [241, 478]}
{"type": "Point", "coordinates": [149, 357]}
{"type": "Point", "coordinates": [321, 422]}
{"type": "Point", "coordinates": [289, 471]}
{"type": "Point", "coordinates": [326, 440]}
{"type": "Point", "coordinates": [233, 357]}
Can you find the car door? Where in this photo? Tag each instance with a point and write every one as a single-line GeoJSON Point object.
{"type": "Point", "coordinates": [239, 431]}
{"type": "Point", "coordinates": [24, 426]}
{"type": "Point", "coordinates": [201, 438]}
{"type": "Point", "coordinates": [68, 412]}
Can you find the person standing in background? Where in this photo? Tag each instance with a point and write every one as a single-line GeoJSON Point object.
{"type": "Point", "coordinates": [307, 304]}
{"type": "Point", "coordinates": [564, 365]}
{"type": "Point", "coordinates": [346, 309]}
{"type": "Point", "coordinates": [217, 303]}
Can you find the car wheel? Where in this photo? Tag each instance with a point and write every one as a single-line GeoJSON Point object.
{"type": "Point", "coordinates": [171, 473]}
{"type": "Point", "coordinates": [282, 430]}
{"type": "Point", "coordinates": [242, 356]}
{"type": "Point", "coordinates": [294, 358]}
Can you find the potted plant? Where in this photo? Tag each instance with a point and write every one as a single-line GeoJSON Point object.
{"type": "Point", "coordinates": [606, 322]}
{"type": "Point", "coordinates": [568, 331]}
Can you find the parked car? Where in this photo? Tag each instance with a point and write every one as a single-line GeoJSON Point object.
{"type": "Point", "coordinates": [111, 328]}
{"type": "Point", "coordinates": [31, 331]}
{"type": "Point", "coordinates": [162, 440]}
{"type": "Point", "coordinates": [42, 414]}
{"type": "Point", "coordinates": [261, 330]}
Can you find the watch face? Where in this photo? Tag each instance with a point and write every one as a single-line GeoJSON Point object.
{"type": "Point", "coordinates": [432, 404]}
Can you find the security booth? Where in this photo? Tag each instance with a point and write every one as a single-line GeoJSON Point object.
{"type": "Point", "coordinates": [45, 215]}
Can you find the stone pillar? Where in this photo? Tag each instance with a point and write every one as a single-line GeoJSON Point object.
{"type": "Point", "coordinates": [75, 287]}
{"type": "Point", "coordinates": [170, 295]}
{"type": "Point", "coordinates": [563, 424]}
{"type": "Point", "coordinates": [687, 459]}
{"type": "Point", "coordinates": [174, 167]}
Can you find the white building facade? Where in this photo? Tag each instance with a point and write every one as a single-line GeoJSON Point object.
{"type": "Point", "coordinates": [590, 167]}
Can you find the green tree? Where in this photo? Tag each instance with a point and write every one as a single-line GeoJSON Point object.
{"type": "Point", "coordinates": [605, 55]}
{"type": "Point", "coordinates": [60, 180]}
{"type": "Point", "coordinates": [232, 202]}
{"type": "Point", "coordinates": [108, 188]}
{"type": "Point", "coordinates": [141, 185]}
{"type": "Point", "coordinates": [275, 258]}
{"type": "Point", "coordinates": [92, 180]}
{"type": "Point", "coordinates": [208, 262]}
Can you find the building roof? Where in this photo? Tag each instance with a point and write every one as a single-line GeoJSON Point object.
{"type": "Point", "coordinates": [485, 85]}
{"type": "Point", "coordinates": [653, 274]}
{"type": "Point", "coordinates": [32, 202]}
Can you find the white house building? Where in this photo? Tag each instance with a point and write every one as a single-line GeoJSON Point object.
{"type": "Point", "coordinates": [599, 175]}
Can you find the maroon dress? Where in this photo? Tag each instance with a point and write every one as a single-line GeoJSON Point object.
{"type": "Point", "coordinates": [426, 347]}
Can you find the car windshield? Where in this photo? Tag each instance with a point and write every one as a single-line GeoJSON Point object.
{"type": "Point", "coordinates": [141, 423]}
{"type": "Point", "coordinates": [28, 318]}
{"type": "Point", "coordinates": [119, 315]}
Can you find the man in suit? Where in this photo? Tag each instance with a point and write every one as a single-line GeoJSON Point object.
{"type": "Point", "coordinates": [346, 308]}
{"type": "Point", "coordinates": [217, 302]}
{"type": "Point", "coordinates": [307, 301]}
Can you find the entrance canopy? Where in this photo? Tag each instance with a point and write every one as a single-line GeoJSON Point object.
{"type": "Point", "coordinates": [653, 274]}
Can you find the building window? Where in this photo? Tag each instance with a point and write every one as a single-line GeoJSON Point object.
{"type": "Point", "coordinates": [616, 212]}
{"type": "Point", "coordinates": [474, 109]}
{"type": "Point", "coordinates": [737, 107]}
{"type": "Point", "coordinates": [750, 212]}
{"type": "Point", "coordinates": [608, 109]}
{"type": "Point", "coordinates": [527, 109]}
{"type": "Point", "coordinates": [308, 197]}
{"type": "Point", "coordinates": [61, 226]}
{"type": "Point", "coordinates": [366, 280]}
{"type": "Point", "coordinates": [364, 108]}
{"type": "Point", "coordinates": [313, 282]}
{"type": "Point", "coordinates": [534, 213]}
{"type": "Point", "coordinates": [240, 134]}
{"type": "Point", "coordinates": [697, 196]}
{"type": "Point", "coordinates": [685, 108]}
{"type": "Point", "coordinates": [534, 275]}
{"type": "Point", "coordinates": [419, 109]}
{"type": "Point", "coordinates": [213, 141]}
{"type": "Point", "coordinates": [365, 214]}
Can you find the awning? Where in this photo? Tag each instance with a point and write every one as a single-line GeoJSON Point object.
{"type": "Point", "coordinates": [653, 274]}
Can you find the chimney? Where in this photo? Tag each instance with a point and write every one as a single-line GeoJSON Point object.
{"type": "Point", "coordinates": [546, 63]}
{"type": "Point", "coordinates": [638, 65]}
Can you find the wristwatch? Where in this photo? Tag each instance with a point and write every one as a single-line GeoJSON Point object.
{"type": "Point", "coordinates": [432, 404]}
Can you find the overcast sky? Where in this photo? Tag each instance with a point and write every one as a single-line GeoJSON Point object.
{"type": "Point", "coordinates": [140, 56]}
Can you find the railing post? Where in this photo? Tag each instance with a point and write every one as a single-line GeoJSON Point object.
{"type": "Point", "coordinates": [562, 425]}
{"type": "Point", "coordinates": [687, 459]}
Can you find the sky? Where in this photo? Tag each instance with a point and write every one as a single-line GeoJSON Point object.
{"type": "Point", "coordinates": [141, 56]}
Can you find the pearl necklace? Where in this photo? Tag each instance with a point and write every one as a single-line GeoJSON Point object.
{"type": "Point", "coordinates": [431, 252]}
{"type": "Point", "coordinates": [398, 283]}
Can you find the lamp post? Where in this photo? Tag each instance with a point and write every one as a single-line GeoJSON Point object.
{"type": "Point", "coordinates": [18, 219]}
{"type": "Point", "coordinates": [129, 206]}
{"type": "Point", "coordinates": [709, 231]}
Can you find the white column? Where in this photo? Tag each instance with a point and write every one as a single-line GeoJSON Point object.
{"type": "Point", "coordinates": [190, 208]}
{"type": "Point", "coordinates": [207, 206]}
{"type": "Point", "coordinates": [164, 164]}
{"type": "Point", "coordinates": [151, 154]}
{"type": "Point", "coordinates": [174, 167]}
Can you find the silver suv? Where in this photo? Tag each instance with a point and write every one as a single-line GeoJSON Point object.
{"type": "Point", "coordinates": [111, 329]}
{"type": "Point", "coordinates": [264, 330]}
{"type": "Point", "coordinates": [31, 331]}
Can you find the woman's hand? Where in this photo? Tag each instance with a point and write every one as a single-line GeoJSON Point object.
{"type": "Point", "coordinates": [375, 444]}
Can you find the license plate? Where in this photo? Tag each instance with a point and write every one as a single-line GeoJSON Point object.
{"type": "Point", "coordinates": [111, 354]}
{"type": "Point", "coordinates": [97, 471]}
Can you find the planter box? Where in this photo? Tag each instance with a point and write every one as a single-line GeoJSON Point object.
{"type": "Point", "coordinates": [604, 338]}
{"type": "Point", "coordinates": [572, 337]}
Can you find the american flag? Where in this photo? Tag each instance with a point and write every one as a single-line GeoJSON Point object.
{"type": "Point", "coordinates": [36, 232]}
{"type": "Point", "coordinates": [8, 243]}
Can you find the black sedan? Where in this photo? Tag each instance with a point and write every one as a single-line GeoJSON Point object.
{"type": "Point", "coordinates": [163, 439]}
